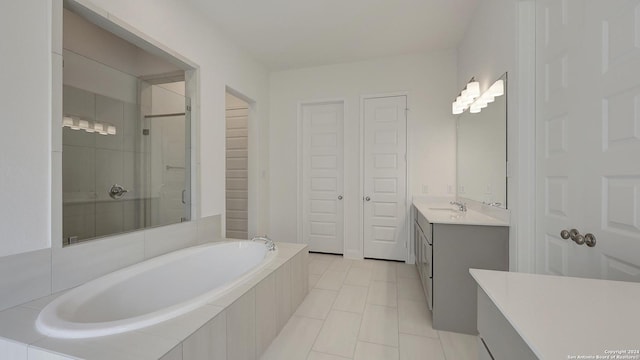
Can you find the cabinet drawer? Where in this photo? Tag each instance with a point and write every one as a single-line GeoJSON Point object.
{"type": "Point", "coordinates": [427, 270]}
{"type": "Point", "coordinates": [428, 256]}
{"type": "Point", "coordinates": [425, 226]}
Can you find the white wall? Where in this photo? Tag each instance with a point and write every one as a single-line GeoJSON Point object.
{"type": "Point", "coordinates": [429, 80]}
{"type": "Point", "coordinates": [495, 42]}
{"type": "Point", "coordinates": [25, 139]}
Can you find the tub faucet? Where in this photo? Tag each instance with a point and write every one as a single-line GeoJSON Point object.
{"type": "Point", "coordinates": [271, 246]}
{"type": "Point", "coordinates": [461, 205]}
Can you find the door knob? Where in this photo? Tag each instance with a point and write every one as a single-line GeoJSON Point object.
{"type": "Point", "coordinates": [590, 240]}
{"type": "Point", "coordinates": [339, 197]}
{"type": "Point", "coordinates": [573, 233]}
{"type": "Point", "coordinates": [367, 198]}
{"type": "Point", "coordinates": [578, 238]}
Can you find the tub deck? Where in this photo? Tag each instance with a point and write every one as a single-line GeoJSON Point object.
{"type": "Point", "coordinates": [238, 325]}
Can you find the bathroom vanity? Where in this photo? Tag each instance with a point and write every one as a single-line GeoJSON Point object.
{"type": "Point", "coordinates": [531, 316]}
{"type": "Point", "coordinates": [447, 243]}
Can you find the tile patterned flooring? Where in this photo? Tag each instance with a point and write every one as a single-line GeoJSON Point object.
{"type": "Point", "coordinates": [365, 309]}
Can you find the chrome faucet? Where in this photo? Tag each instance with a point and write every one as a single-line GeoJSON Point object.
{"type": "Point", "coordinates": [271, 246]}
{"type": "Point", "coordinates": [462, 206]}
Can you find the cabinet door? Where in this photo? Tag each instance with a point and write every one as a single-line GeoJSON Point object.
{"type": "Point", "coordinates": [427, 281]}
{"type": "Point", "coordinates": [416, 246]}
{"type": "Point", "coordinates": [483, 353]}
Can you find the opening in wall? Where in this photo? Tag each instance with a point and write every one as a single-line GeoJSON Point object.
{"type": "Point", "coordinates": [126, 130]}
{"type": "Point", "coordinates": [237, 167]}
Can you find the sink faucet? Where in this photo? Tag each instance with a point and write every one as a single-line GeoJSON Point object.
{"type": "Point", "coordinates": [271, 246]}
{"type": "Point", "coordinates": [461, 205]}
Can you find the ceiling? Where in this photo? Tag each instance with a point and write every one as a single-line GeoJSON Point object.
{"type": "Point", "coordinates": [285, 34]}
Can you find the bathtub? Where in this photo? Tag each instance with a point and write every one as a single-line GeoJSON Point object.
{"type": "Point", "coordinates": [152, 291]}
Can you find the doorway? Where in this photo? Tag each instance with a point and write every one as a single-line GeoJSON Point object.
{"type": "Point", "coordinates": [237, 167]}
{"type": "Point", "coordinates": [384, 177]}
{"type": "Point", "coordinates": [323, 176]}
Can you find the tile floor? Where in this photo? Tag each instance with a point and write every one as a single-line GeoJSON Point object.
{"type": "Point", "coordinates": [365, 309]}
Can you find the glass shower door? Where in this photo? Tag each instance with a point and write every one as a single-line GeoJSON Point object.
{"type": "Point", "coordinates": [166, 154]}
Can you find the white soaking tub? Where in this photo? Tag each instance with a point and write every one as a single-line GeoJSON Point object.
{"type": "Point", "coordinates": [152, 291]}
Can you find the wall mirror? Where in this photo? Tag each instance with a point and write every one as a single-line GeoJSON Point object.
{"type": "Point", "coordinates": [126, 136]}
{"type": "Point", "coordinates": [482, 152]}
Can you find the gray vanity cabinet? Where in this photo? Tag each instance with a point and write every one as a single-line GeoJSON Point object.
{"type": "Point", "coordinates": [444, 255]}
{"type": "Point", "coordinates": [423, 246]}
{"type": "Point", "coordinates": [498, 339]}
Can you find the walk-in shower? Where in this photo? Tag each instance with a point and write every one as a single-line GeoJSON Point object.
{"type": "Point", "coordinates": [126, 136]}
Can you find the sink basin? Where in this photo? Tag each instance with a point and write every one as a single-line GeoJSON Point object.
{"type": "Point", "coordinates": [444, 209]}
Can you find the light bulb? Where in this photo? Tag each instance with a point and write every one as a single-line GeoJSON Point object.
{"type": "Point", "coordinates": [75, 125]}
{"type": "Point", "coordinates": [497, 89]}
{"type": "Point", "coordinates": [473, 89]}
{"type": "Point", "coordinates": [111, 130]}
{"type": "Point", "coordinates": [67, 121]}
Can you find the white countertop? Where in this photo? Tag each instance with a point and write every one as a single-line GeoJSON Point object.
{"type": "Point", "coordinates": [561, 316]}
{"type": "Point", "coordinates": [441, 212]}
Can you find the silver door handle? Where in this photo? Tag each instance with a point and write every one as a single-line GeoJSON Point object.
{"type": "Point", "coordinates": [339, 197]}
{"type": "Point", "coordinates": [574, 234]}
{"type": "Point", "coordinates": [590, 240]}
{"type": "Point", "coordinates": [367, 198]}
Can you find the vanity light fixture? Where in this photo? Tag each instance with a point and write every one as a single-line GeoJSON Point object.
{"type": "Point", "coordinates": [495, 90]}
{"type": "Point", "coordinates": [466, 97]}
{"type": "Point", "coordinates": [75, 123]}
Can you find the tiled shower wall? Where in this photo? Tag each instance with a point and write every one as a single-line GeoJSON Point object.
{"type": "Point", "coordinates": [91, 163]}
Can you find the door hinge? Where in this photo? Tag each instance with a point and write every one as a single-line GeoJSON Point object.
{"type": "Point", "coordinates": [188, 107]}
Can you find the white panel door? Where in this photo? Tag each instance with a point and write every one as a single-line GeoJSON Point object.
{"type": "Point", "coordinates": [322, 177]}
{"type": "Point", "coordinates": [588, 130]}
{"type": "Point", "coordinates": [385, 167]}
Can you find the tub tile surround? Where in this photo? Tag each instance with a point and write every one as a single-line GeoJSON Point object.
{"type": "Point", "coordinates": [161, 240]}
{"type": "Point", "coordinates": [25, 277]}
{"type": "Point", "coordinates": [378, 319]}
{"type": "Point", "coordinates": [238, 326]}
{"type": "Point", "coordinates": [42, 272]}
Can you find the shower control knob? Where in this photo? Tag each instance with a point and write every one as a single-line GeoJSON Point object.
{"type": "Point", "coordinates": [367, 198]}
{"type": "Point", "coordinates": [565, 234]}
{"type": "Point", "coordinates": [117, 191]}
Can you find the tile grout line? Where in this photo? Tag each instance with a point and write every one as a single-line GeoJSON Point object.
{"type": "Point", "coordinates": [398, 307]}
{"type": "Point", "coordinates": [323, 321]}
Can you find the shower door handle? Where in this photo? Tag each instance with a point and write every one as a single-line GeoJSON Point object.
{"type": "Point", "coordinates": [183, 192]}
